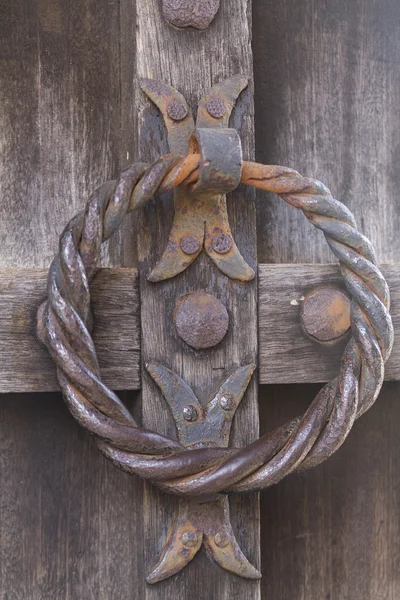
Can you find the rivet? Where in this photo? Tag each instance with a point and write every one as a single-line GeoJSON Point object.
{"type": "Point", "coordinates": [201, 320]}
{"type": "Point", "coordinates": [189, 538]}
{"type": "Point", "coordinates": [227, 402]}
{"type": "Point", "coordinates": [222, 243]}
{"type": "Point", "coordinates": [190, 413]}
{"type": "Point", "coordinates": [190, 244]}
{"type": "Point", "coordinates": [221, 539]}
{"type": "Point", "coordinates": [325, 314]}
{"type": "Point", "coordinates": [190, 13]}
{"type": "Point", "coordinates": [176, 110]}
{"type": "Point", "coordinates": [216, 108]}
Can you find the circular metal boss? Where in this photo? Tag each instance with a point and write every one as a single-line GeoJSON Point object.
{"type": "Point", "coordinates": [201, 320]}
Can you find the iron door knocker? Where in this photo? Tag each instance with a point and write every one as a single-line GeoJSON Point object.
{"type": "Point", "coordinates": [199, 464]}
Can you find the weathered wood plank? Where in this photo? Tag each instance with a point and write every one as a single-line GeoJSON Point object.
{"type": "Point", "coordinates": [287, 353]}
{"type": "Point", "coordinates": [192, 62]}
{"type": "Point", "coordinates": [327, 97]}
{"type": "Point", "coordinates": [70, 523]}
{"type": "Point", "coordinates": [334, 531]}
{"type": "Point", "coordinates": [26, 365]}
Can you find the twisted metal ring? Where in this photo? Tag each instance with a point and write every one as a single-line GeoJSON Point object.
{"type": "Point", "coordinates": [64, 324]}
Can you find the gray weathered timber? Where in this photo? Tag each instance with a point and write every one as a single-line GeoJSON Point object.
{"type": "Point", "coordinates": [26, 365]}
{"type": "Point", "coordinates": [327, 104]}
{"type": "Point", "coordinates": [334, 531]}
{"type": "Point", "coordinates": [287, 353]}
{"type": "Point", "coordinates": [327, 99]}
{"type": "Point", "coordinates": [192, 62]}
{"type": "Point", "coordinates": [69, 523]}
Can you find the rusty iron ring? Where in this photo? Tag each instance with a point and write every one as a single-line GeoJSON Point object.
{"type": "Point", "coordinates": [64, 324]}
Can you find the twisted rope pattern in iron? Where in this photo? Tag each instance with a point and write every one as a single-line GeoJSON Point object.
{"type": "Point", "coordinates": [64, 325]}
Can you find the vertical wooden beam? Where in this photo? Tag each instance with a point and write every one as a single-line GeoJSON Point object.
{"type": "Point", "coordinates": [192, 62]}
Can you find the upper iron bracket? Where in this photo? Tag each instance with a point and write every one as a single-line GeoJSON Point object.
{"type": "Point", "coordinates": [201, 218]}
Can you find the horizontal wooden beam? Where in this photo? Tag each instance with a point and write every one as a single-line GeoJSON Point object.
{"type": "Point", "coordinates": [25, 365]}
{"type": "Point", "coordinates": [287, 353]}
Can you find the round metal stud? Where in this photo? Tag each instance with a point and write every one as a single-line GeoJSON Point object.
{"type": "Point", "coordinates": [190, 244]}
{"type": "Point", "coordinates": [222, 243]}
{"type": "Point", "coordinates": [201, 320]}
{"type": "Point", "coordinates": [189, 538]}
{"type": "Point", "coordinates": [190, 413]}
{"type": "Point", "coordinates": [325, 314]}
{"type": "Point", "coordinates": [216, 108]}
{"type": "Point", "coordinates": [221, 539]}
{"type": "Point", "coordinates": [176, 111]}
{"type": "Point", "coordinates": [227, 402]}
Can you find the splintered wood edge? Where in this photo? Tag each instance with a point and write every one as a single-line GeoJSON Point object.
{"type": "Point", "coordinates": [287, 354]}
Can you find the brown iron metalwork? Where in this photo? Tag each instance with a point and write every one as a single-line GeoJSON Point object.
{"type": "Point", "coordinates": [201, 217]}
{"type": "Point", "coordinates": [205, 521]}
{"type": "Point", "coordinates": [201, 320]}
{"type": "Point", "coordinates": [190, 13]}
{"type": "Point", "coordinates": [182, 467]}
{"type": "Point", "coordinates": [325, 314]}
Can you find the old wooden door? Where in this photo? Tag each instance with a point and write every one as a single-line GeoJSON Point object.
{"type": "Point", "coordinates": [327, 95]}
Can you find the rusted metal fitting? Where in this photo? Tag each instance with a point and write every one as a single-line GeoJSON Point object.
{"type": "Point", "coordinates": [189, 538]}
{"type": "Point", "coordinates": [221, 160]}
{"type": "Point", "coordinates": [325, 314]}
{"type": "Point", "coordinates": [222, 243]}
{"type": "Point", "coordinates": [196, 221]}
{"type": "Point", "coordinates": [206, 522]}
{"type": "Point", "coordinates": [216, 107]}
{"type": "Point", "coordinates": [177, 110]}
{"type": "Point", "coordinates": [201, 320]}
{"type": "Point", "coordinates": [190, 13]}
{"type": "Point", "coordinates": [190, 413]}
{"type": "Point", "coordinates": [190, 244]}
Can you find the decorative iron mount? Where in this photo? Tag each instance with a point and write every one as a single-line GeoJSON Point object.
{"type": "Point", "coordinates": [201, 218]}
{"type": "Point", "coordinates": [199, 465]}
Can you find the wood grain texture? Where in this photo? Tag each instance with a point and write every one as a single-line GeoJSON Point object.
{"type": "Point", "coordinates": [60, 121]}
{"type": "Point", "coordinates": [333, 533]}
{"type": "Point", "coordinates": [287, 353]}
{"type": "Point", "coordinates": [69, 522]}
{"type": "Point", "coordinates": [327, 97]}
{"type": "Point", "coordinates": [192, 62]}
{"type": "Point", "coordinates": [26, 365]}
{"type": "Point", "coordinates": [327, 104]}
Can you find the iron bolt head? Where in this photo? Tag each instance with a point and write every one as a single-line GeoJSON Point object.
{"type": "Point", "coordinates": [189, 538]}
{"type": "Point", "coordinates": [201, 320]}
{"type": "Point", "coordinates": [190, 244]}
{"type": "Point", "coordinates": [176, 111]}
{"type": "Point", "coordinates": [190, 413]}
{"type": "Point", "coordinates": [227, 402]}
{"type": "Point", "coordinates": [216, 108]}
{"type": "Point", "coordinates": [221, 539]}
{"type": "Point", "coordinates": [325, 314]}
{"type": "Point", "coordinates": [222, 243]}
